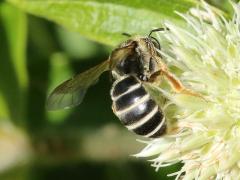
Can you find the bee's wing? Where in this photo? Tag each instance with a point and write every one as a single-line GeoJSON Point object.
{"type": "Point", "coordinates": [71, 92]}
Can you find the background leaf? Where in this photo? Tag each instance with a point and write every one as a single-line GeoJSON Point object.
{"type": "Point", "coordinates": [103, 20]}
{"type": "Point", "coordinates": [224, 5]}
{"type": "Point", "coordinates": [13, 71]}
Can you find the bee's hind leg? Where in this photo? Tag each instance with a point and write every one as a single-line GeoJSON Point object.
{"type": "Point", "coordinates": [176, 84]}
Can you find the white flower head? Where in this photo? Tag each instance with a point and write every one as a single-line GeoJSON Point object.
{"type": "Point", "coordinates": [204, 133]}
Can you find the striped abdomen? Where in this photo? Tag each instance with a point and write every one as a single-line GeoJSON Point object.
{"type": "Point", "coordinates": [135, 108]}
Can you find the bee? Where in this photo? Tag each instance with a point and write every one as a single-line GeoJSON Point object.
{"type": "Point", "coordinates": [133, 64]}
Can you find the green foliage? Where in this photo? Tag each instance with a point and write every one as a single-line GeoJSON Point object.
{"type": "Point", "coordinates": [225, 5]}
{"type": "Point", "coordinates": [103, 20]}
{"type": "Point", "coordinates": [13, 73]}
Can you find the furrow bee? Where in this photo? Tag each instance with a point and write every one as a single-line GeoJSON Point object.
{"type": "Point", "coordinates": [133, 64]}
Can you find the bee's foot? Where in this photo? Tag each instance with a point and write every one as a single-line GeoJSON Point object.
{"type": "Point", "coordinates": [192, 93]}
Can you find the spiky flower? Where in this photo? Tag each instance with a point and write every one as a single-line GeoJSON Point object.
{"type": "Point", "coordinates": [204, 133]}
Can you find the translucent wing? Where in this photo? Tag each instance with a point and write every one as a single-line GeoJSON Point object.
{"type": "Point", "coordinates": [71, 92]}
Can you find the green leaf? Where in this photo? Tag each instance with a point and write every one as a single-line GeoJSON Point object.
{"type": "Point", "coordinates": [224, 5]}
{"type": "Point", "coordinates": [15, 23]}
{"type": "Point", "coordinates": [4, 114]}
{"type": "Point", "coordinates": [13, 70]}
{"type": "Point", "coordinates": [76, 46]}
{"type": "Point", "coordinates": [105, 20]}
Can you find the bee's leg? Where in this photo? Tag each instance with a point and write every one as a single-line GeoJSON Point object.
{"type": "Point", "coordinates": [173, 81]}
{"type": "Point", "coordinates": [111, 78]}
{"type": "Point", "coordinates": [176, 84]}
{"type": "Point", "coordinates": [113, 109]}
{"type": "Point", "coordinates": [162, 67]}
{"type": "Point", "coordinates": [155, 76]}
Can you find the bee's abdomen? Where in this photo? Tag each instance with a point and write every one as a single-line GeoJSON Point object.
{"type": "Point", "coordinates": [135, 108]}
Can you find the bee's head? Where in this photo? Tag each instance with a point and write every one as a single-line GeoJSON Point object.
{"type": "Point", "coordinates": [137, 56]}
{"type": "Point", "coordinates": [149, 41]}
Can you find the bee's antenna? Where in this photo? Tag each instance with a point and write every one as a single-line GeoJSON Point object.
{"type": "Point", "coordinates": [156, 30]}
{"type": "Point", "coordinates": [158, 43]}
{"type": "Point", "coordinates": [126, 34]}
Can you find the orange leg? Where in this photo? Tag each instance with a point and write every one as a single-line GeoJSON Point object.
{"type": "Point", "coordinates": [177, 86]}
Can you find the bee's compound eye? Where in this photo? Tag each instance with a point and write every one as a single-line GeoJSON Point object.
{"type": "Point", "coordinates": [152, 65]}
